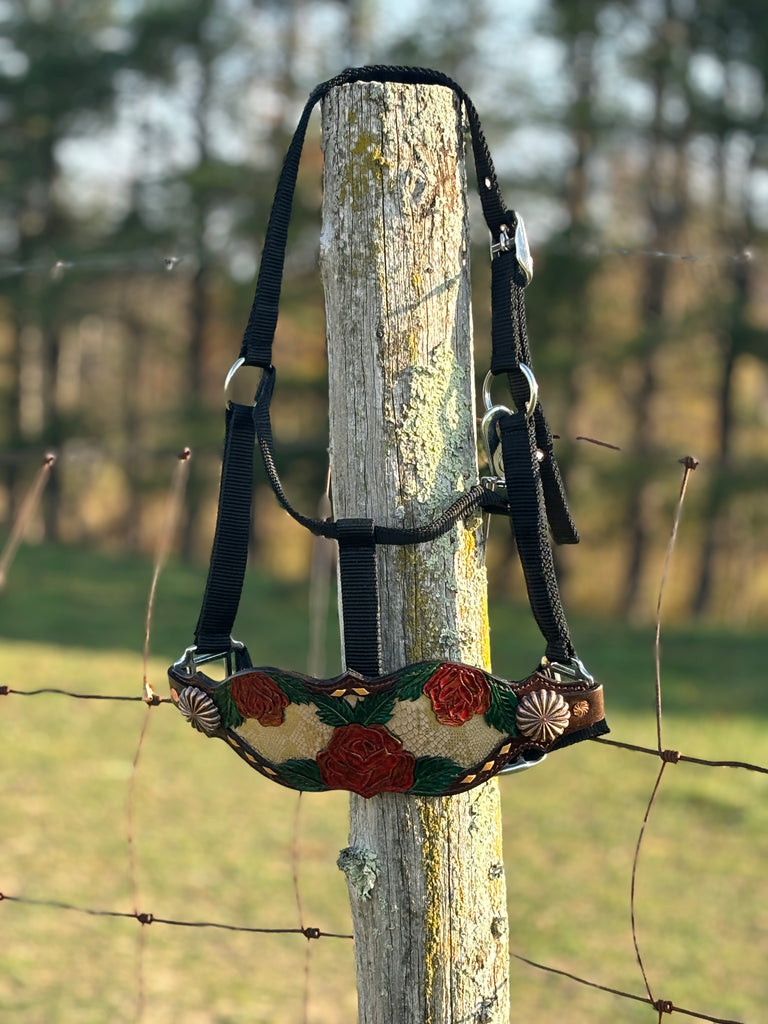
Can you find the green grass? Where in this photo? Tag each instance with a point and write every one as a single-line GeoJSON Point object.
{"type": "Point", "coordinates": [213, 839]}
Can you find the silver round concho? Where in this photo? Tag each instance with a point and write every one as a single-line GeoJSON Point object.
{"type": "Point", "coordinates": [199, 710]}
{"type": "Point", "coordinates": [543, 716]}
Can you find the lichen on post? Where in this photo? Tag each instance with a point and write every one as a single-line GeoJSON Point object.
{"type": "Point", "coordinates": [430, 922]}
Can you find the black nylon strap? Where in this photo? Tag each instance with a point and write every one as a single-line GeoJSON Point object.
{"type": "Point", "coordinates": [529, 524]}
{"type": "Point", "coordinates": [536, 491]}
{"type": "Point", "coordinates": [256, 349]}
{"type": "Point", "coordinates": [508, 336]}
{"type": "Point", "coordinates": [359, 595]}
{"type": "Point", "coordinates": [229, 554]}
{"type": "Point", "coordinates": [508, 324]}
{"type": "Point", "coordinates": [213, 633]}
{"type": "Point", "coordinates": [558, 514]}
{"type": "Point", "coordinates": [510, 348]}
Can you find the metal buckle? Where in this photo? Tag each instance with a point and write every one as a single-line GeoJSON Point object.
{"type": "Point", "coordinates": [504, 242]}
{"type": "Point", "coordinates": [488, 423]}
{"type": "Point", "coordinates": [189, 662]}
{"type": "Point", "coordinates": [242, 392]}
{"type": "Point", "coordinates": [521, 764]}
{"type": "Point", "coordinates": [522, 248]}
{"type": "Point", "coordinates": [573, 670]}
{"type": "Point", "coordinates": [495, 455]}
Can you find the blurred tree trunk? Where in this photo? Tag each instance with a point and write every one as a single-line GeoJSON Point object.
{"type": "Point", "coordinates": [565, 311]}
{"type": "Point", "coordinates": [732, 283]}
{"type": "Point", "coordinates": [10, 427]}
{"type": "Point", "coordinates": [666, 204]}
{"type": "Point", "coordinates": [731, 331]}
{"type": "Point", "coordinates": [66, 79]}
{"type": "Point", "coordinates": [431, 937]}
{"type": "Point", "coordinates": [199, 300]}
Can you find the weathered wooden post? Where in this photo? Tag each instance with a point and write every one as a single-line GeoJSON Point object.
{"type": "Point", "coordinates": [425, 875]}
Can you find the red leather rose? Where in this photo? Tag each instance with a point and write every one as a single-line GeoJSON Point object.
{"type": "Point", "coordinates": [366, 759]}
{"type": "Point", "coordinates": [256, 696]}
{"type": "Point", "coordinates": [457, 693]}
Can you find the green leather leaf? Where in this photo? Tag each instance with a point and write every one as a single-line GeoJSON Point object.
{"type": "Point", "coordinates": [432, 775]}
{"type": "Point", "coordinates": [301, 773]}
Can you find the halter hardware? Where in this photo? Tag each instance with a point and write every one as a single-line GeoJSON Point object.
{"type": "Point", "coordinates": [232, 371]}
{"type": "Point", "coordinates": [574, 669]}
{"type": "Point", "coordinates": [489, 422]}
{"type": "Point", "coordinates": [190, 661]}
{"type": "Point", "coordinates": [521, 246]}
{"type": "Point", "coordinates": [533, 392]}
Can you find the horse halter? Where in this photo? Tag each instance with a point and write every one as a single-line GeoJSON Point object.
{"type": "Point", "coordinates": [430, 728]}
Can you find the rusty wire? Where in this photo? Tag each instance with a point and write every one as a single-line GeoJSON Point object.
{"type": "Point", "coordinates": [150, 699]}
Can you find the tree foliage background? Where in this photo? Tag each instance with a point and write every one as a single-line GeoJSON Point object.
{"type": "Point", "coordinates": [139, 147]}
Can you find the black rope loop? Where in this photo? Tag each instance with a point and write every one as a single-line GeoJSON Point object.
{"type": "Point", "coordinates": [475, 498]}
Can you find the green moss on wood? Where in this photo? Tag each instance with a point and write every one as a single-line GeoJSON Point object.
{"type": "Point", "coordinates": [437, 953]}
{"type": "Point", "coordinates": [365, 169]}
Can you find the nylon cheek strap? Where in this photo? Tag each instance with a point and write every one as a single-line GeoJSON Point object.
{"type": "Point", "coordinates": [229, 556]}
{"type": "Point", "coordinates": [510, 348]}
{"type": "Point", "coordinates": [526, 500]}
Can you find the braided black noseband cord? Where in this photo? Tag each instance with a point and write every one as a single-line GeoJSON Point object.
{"type": "Point", "coordinates": [475, 498]}
{"type": "Point", "coordinates": [536, 493]}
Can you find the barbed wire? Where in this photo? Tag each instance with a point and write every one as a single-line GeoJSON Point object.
{"type": "Point", "coordinates": [154, 700]}
{"type": "Point", "coordinates": [661, 1005]}
{"type": "Point", "coordinates": [674, 756]}
{"type": "Point", "coordinates": [26, 511]}
{"type": "Point", "coordinates": [150, 699]}
{"type": "Point", "coordinates": [142, 261]}
{"type": "Point", "coordinates": [596, 250]}
{"type": "Point", "coordinates": [146, 919]}
{"type": "Point", "coordinates": [150, 261]}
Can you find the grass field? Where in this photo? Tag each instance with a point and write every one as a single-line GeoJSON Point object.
{"type": "Point", "coordinates": [213, 839]}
